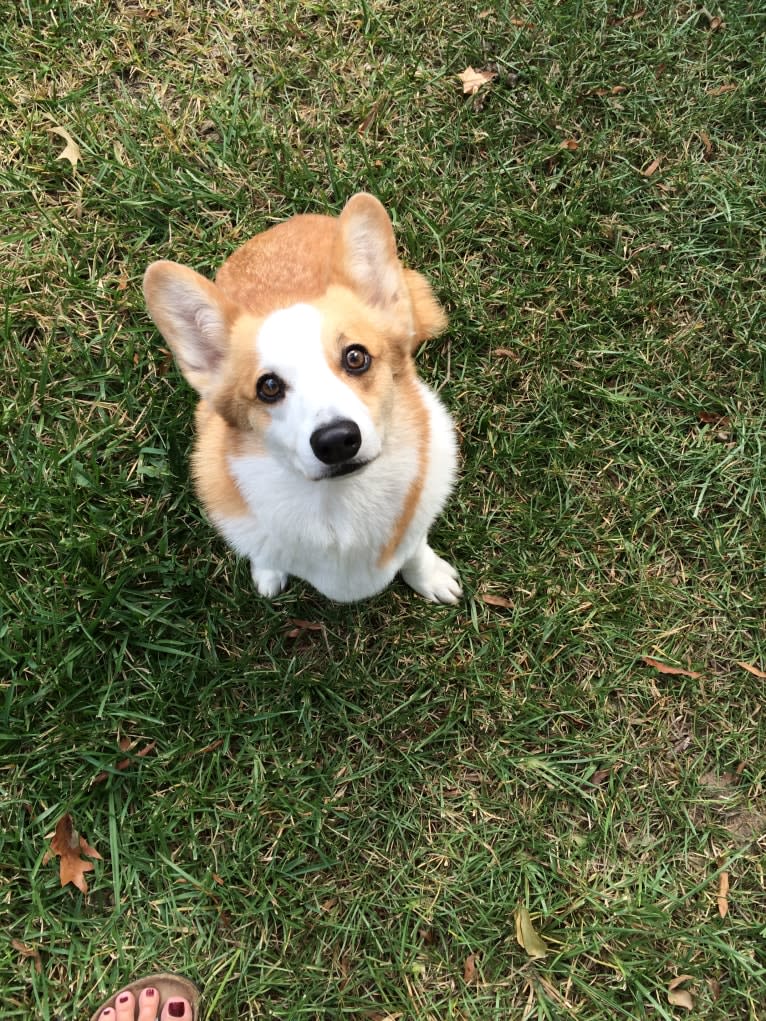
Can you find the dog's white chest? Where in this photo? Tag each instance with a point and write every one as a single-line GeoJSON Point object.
{"type": "Point", "coordinates": [331, 533]}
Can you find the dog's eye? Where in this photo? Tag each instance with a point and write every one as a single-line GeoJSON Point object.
{"type": "Point", "coordinates": [356, 359]}
{"type": "Point", "coordinates": [270, 388]}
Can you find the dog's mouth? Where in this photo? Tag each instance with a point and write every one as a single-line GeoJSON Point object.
{"type": "Point", "coordinates": [337, 471]}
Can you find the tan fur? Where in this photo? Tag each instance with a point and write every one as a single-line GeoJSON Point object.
{"type": "Point", "coordinates": [264, 274]}
{"type": "Point", "coordinates": [413, 421]}
{"type": "Point", "coordinates": [215, 487]}
{"type": "Point", "coordinates": [317, 260]}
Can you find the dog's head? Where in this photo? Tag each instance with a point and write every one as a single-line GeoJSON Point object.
{"type": "Point", "coordinates": [312, 381]}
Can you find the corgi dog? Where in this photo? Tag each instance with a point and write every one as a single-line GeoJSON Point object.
{"type": "Point", "coordinates": [319, 452]}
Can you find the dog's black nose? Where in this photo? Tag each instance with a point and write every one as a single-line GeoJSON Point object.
{"type": "Point", "coordinates": [337, 442]}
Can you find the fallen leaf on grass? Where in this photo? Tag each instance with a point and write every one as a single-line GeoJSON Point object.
{"type": "Point", "coordinates": [723, 894]}
{"type": "Point", "coordinates": [721, 90]}
{"type": "Point", "coordinates": [27, 951]}
{"type": "Point", "coordinates": [571, 144]}
{"type": "Point", "coordinates": [616, 90]}
{"type": "Point", "coordinates": [71, 151]}
{"type": "Point", "coordinates": [469, 968]}
{"type": "Point", "coordinates": [601, 774]}
{"type": "Point", "coordinates": [505, 352]}
{"type": "Point", "coordinates": [213, 746]}
{"type": "Point", "coordinates": [491, 600]}
{"type": "Point", "coordinates": [752, 670]}
{"type": "Point", "coordinates": [665, 668]}
{"type": "Point", "coordinates": [366, 124]}
{"type": "Point", "coordinates": [713, 418]}
{"type": "Point", "coordinates": [300, 626]}
{"type": "Point", "coordinates": [653, 167]}
{"type": "Point", "coordinates": [526, 936]}
{"type": "Point", "coordinates": [67, 845]}
{"type": "Point", "coordinates": [125, 744]}
{"type": "Point", "coordinates": [709, 147]}
{"type": "Point", "coordinates": [473, 80]}
{"type": "Point", "coordinates": [680, 997]}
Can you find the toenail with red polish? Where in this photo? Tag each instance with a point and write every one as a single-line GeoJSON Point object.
{"type": "Point", "coordinates": [124, 999]}
{"type": "Point", "coordinates": [149, 992]}
{"type": "Point", "coordinates": [176, 1009]}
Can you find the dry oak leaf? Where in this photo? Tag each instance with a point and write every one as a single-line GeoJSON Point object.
{"type": "Point", "coordinates": [680, 997]}
{"type": "Point", "coordinates": [665, 668]}
{"type": "Point", "coordinates": [721, 90]}
{"type": "Point", "coordinates": [723, 894]}
{"type": "Point", "coordinates": [300, 627]}
{"type": "Point", "coordinates": [71, 151]}
{"type": "Point", "coordinates": [473, 80]}
{"type": "Point", "coordinates": [526, 936]}
{"type": "Point", "coordinates": [469, 968]}
{"type": "Point", "coordinates": [490, 600]}
{"type": "Point", "coordinates": [752, 670]}
{"type": "Point", "coordinates": [27, 951]}
{"type": "Point", "coordinates": [67, 845]}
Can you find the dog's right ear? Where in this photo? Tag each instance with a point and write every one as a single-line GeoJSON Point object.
{"type": "Point", "coordinates": [194, 317]}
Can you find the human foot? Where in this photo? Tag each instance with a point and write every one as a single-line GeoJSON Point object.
{"type": "Point", "coordinates": [156, 998]}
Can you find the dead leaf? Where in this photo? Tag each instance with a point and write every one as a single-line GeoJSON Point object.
{"type": "Point", "coordinates": [713, 418]}
{"type": "Point", "coordinates": [27, 951]}
{"type": "Point", "coordinates": [716, 24]}
{"type": "Point", "coordinates": [721, 90]}
{"type": "Point", "coordinates": [125, 744]}
{"type": "Point", "coordinates": [209, 747]}
{"type": "Point", "coordinates": [665, 668]}
{"type": "Point", "coordinates": [491, 600]}
{"type": "Point", "coordinates": [633, 16]}
{"type": "Point", "coordinates": [653, 167]}
{"type": "Point", "coordinates": [301, 626]}
{"type": "Point", "coordinates": [505, 352]}
{"type": "Point", "coordinates": [67, 845]}
{"type": "Point", "coordinates": [469, 968]}
{"type": "Point", "coordinates": [616, 90]}
{"type": "Point", "coordinates": [679, 981]}
{"type": "Point", "coordinates": [715, 989]}
{"type": "Point", "coordinates": [520, 23]}
{"type": "Point", "coordinates": [723, 894]}
{"type": "Point", "coordinates": [71, 151]}
{"type": "Point", "coordinates": [601, 774]}
{"type": "Point", "coordinates": [473, 80]}
{"type": "Point", "coordinates": [571, 144]}
{"type": "Point", "coordinates": [752, 670]}
{"type": "Point", "coordinates": [526, 936]}
{"type": "Point", "coordinates": [705, 139]}
{"type": "Point", "coordinates": [366, 124]}
{"type": "Point", "coordinates": [680, 997]}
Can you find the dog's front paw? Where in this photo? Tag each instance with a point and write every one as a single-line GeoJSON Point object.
{"type": "Point", "coordinates": [268, 583]}
{"type": "Point", "coordinates": [432, 577]}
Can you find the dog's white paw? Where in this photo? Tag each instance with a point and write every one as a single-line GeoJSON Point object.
{"type": "Point", "coordinates": [432, 577]}
{"type": "Point", "coordinates": [268, 583]}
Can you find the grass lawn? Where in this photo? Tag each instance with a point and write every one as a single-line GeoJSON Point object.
{"type": "Point", "coordinates": [343, 821]}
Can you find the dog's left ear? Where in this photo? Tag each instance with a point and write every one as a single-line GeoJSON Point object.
{"type": "Point", "coordinates": [367, 261]}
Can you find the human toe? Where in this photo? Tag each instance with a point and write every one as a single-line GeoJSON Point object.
{"type": "Point", "coordinates": [176, 1009]}
{"type": "Point", "coordinates": [148, 1004]}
